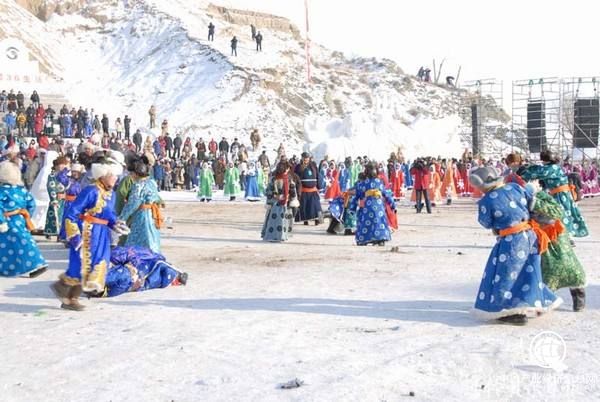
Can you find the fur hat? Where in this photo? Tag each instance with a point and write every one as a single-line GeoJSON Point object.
{"type": "Point", "coordinates": [76, 167]}
{"type": "Point", "coordinates": [106, 167]}
{"type": "Point", "coordinates": [10, 174]}
{"type": "Point", "coordinates": [485, 178]}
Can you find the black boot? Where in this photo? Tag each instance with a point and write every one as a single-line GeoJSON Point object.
{"type": "Point", "coordinates": [332, 225]}
{"type": "Point", "coordinates": [348, 232]}
{"type": "Point", "coordinates": [38, 272]}
{"type": "Point", "coordinates": [578, 296]}
{"type": "Point", "coordinates": [516, 319]}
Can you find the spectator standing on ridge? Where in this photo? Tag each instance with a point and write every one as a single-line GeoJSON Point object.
{"type": "Point", "coordinates": [152, 113]}
{"type": "Point", "coordinates": [253, 30]}
{"type": "Point", "coordinates": [211, 32]}
{"type": "Point", "coordinates": [259, 39]}
{"type": "Point", "coordinates": [119, 128]}
{"type": "Point", "coordinates": [127, 125]}
{"type": "Point", "coordinates": [450, 81]}
{"type": "Point", "coordinates": [427, 76]}
{"type": "Point", "coordinates": [234, 42]}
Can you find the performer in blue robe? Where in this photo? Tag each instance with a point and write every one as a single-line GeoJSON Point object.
{"type": "Point", "coordinates": [135, 269]}
{"type": "Point", "coordinates": [19, 253]}
{"type": "Point", "coordinates": [512, 284]}
{"type": "Point", "coordinates": [71, 193]}
{"type": "Point", "coordinates": [252, 192]}
{"type": "Point", "coordinates": [408, 180]}
{"type": "Point", "coordinates": [371, 220]}
{"type": "Point", "coordinates": [310, 203]}
{"type": "Point", "coordinates": [88, 224]}
{"type": "Point", "coordinates": [556, 182]}
{"type": "Point", "coordinates": [344, 177]}
{"type": "Point", "coordinates": [142, 210]}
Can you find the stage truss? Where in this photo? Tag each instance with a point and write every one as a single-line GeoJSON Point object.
{"type": "Point", "coordinates": [572, 90]}
{"type": "Point", "coordinates": [487, 95]}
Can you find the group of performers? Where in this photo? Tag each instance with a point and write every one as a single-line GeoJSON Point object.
{"type": "Point", "coordinates": [91, 219]}
{"type": "Point", "coordinates": [533, 255]}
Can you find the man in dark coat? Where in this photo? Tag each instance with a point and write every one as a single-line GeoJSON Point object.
{"type": "Point", "coordinates": [30, 113]}
{"type": "Point", "coordinates": [137, 140]}
{"type": "Point", "coordinates": [201, 149]}
{"type": "Point", "coordinates": [211, 32]}
{"type": "Point", "coordinates": [177, 144]}
{"type": "Point", "coordinates": [20, 100]}
{"type": "Point", "coordinates": [35, 99]}
{"type": "Point", "coordinates": [264, 159]}
{"type": "Point", "coordinates": [234, 42]}
{"type": "Point", "coordinates": [127, 125]}
{"type": "Point", "coordinates": [169, 145]}
{"type": "Point", "coordinates": [224, 147]}
{"type": "Point", "coordinates": [104, 124]}
{"type": "Point", "coordinates": [259, 39]}
{"type": "Point", "coordinates": [310, 203]}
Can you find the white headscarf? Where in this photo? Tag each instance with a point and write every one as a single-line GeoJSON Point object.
{"type": "Point", "coordinates": [39, 190]}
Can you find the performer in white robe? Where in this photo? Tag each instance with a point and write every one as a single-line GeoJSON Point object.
{"type": "Point", "coordinates": [39, 191]}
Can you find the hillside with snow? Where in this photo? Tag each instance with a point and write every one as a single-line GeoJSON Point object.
{"type": "Point", "coordinates": [120, 57]}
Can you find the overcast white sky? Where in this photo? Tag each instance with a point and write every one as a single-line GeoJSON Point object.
{"type": "Point", "coordinates": [504, 39]}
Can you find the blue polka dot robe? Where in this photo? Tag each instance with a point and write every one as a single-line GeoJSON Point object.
{"type": "Point", "coordinates": [19, 253]}
{"type": "Point", "coordinates": [371, 221]}
{"type": "Point", "coordinates": [512, 280]}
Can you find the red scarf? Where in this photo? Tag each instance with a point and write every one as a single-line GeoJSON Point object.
{"type": "Point", "coordinates": [286, 188]}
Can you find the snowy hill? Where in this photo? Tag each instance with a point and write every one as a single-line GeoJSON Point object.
{"type": "Point", "coordinates": [121, 57]}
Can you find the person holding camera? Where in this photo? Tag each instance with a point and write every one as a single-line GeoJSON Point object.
{"type": "Point", "coordinates": [420, 172]}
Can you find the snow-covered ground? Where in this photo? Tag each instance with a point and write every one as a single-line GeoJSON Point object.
{"type": "Point", "coordinates": [353, 323]}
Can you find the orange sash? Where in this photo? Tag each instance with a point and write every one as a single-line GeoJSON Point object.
{"type": "Point", "coordinates": [554, 230]}
{"type": "Point", "coordinates": [565, 188]}
{"type": "Point", "coordinates": [25, 214]}
{"type": "Point", "coordinates": [70, 198]}
{"type": "Point", "coordinates": [309, 190]}
{"type": "Point", "coordinates": [156, 214]}
{"type": "Point", "coordinates": [542, 237]}
{"type": "Point", "coordinates": [93, 219]}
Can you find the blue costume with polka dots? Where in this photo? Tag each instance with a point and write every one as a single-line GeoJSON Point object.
{"type": "Point", "coordinates": [19, 253]}
{"type": "Point", "coordinates": [371, 221]}
{"type": "Point", "coordinates": [512, 280]}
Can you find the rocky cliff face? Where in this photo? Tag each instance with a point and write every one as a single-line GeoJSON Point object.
{"type": "Point", "coordinates": [44, 9]}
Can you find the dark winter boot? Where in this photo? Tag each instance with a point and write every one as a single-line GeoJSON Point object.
{"type": "Point", "coordinates": [38, 272]}
{"type": "Point", "coordinates": [183, 278]}
{"type": "Point", "coordinates": [61, 290]}
{"type": "Point", "coordinates": [73, 302]}
{"type": "Point", "coordinates": [348, 232]}
{"type": "Point", "coordinates": [517, 319]}
{"type": "Point", "coordinates": [578, 296]}
{"type": "Point", "coordinates": [332, 225]}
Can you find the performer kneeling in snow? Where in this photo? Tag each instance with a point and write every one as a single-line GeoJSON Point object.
{"type": "Point", "coordinates": [135, 269]}
{"type": "Point", "coordinates": [88, 224]}
{"type": "Point", "coordinates": [372, 225]}
{"type": "Point", "coordinates": [19, 253]}
{"type": "Point", "coordinates": [512, 284]}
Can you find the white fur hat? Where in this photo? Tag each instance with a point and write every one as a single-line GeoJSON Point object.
{"type": "Point", "coordinates": [106, 167]}
{"type": "Point", "coordinates": [10, 174]}
{"type": "Point", "coordinates": [485, 178]}
{"type": "Point", "coordinates": [76, 167]}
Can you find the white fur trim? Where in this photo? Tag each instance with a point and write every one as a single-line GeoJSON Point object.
{"type": "Point", "coordinates": [104, 169]}
{"type": "Point", "coordinates": [485, 315]}
{"type": "Point", "coordinates": [10, 174]}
